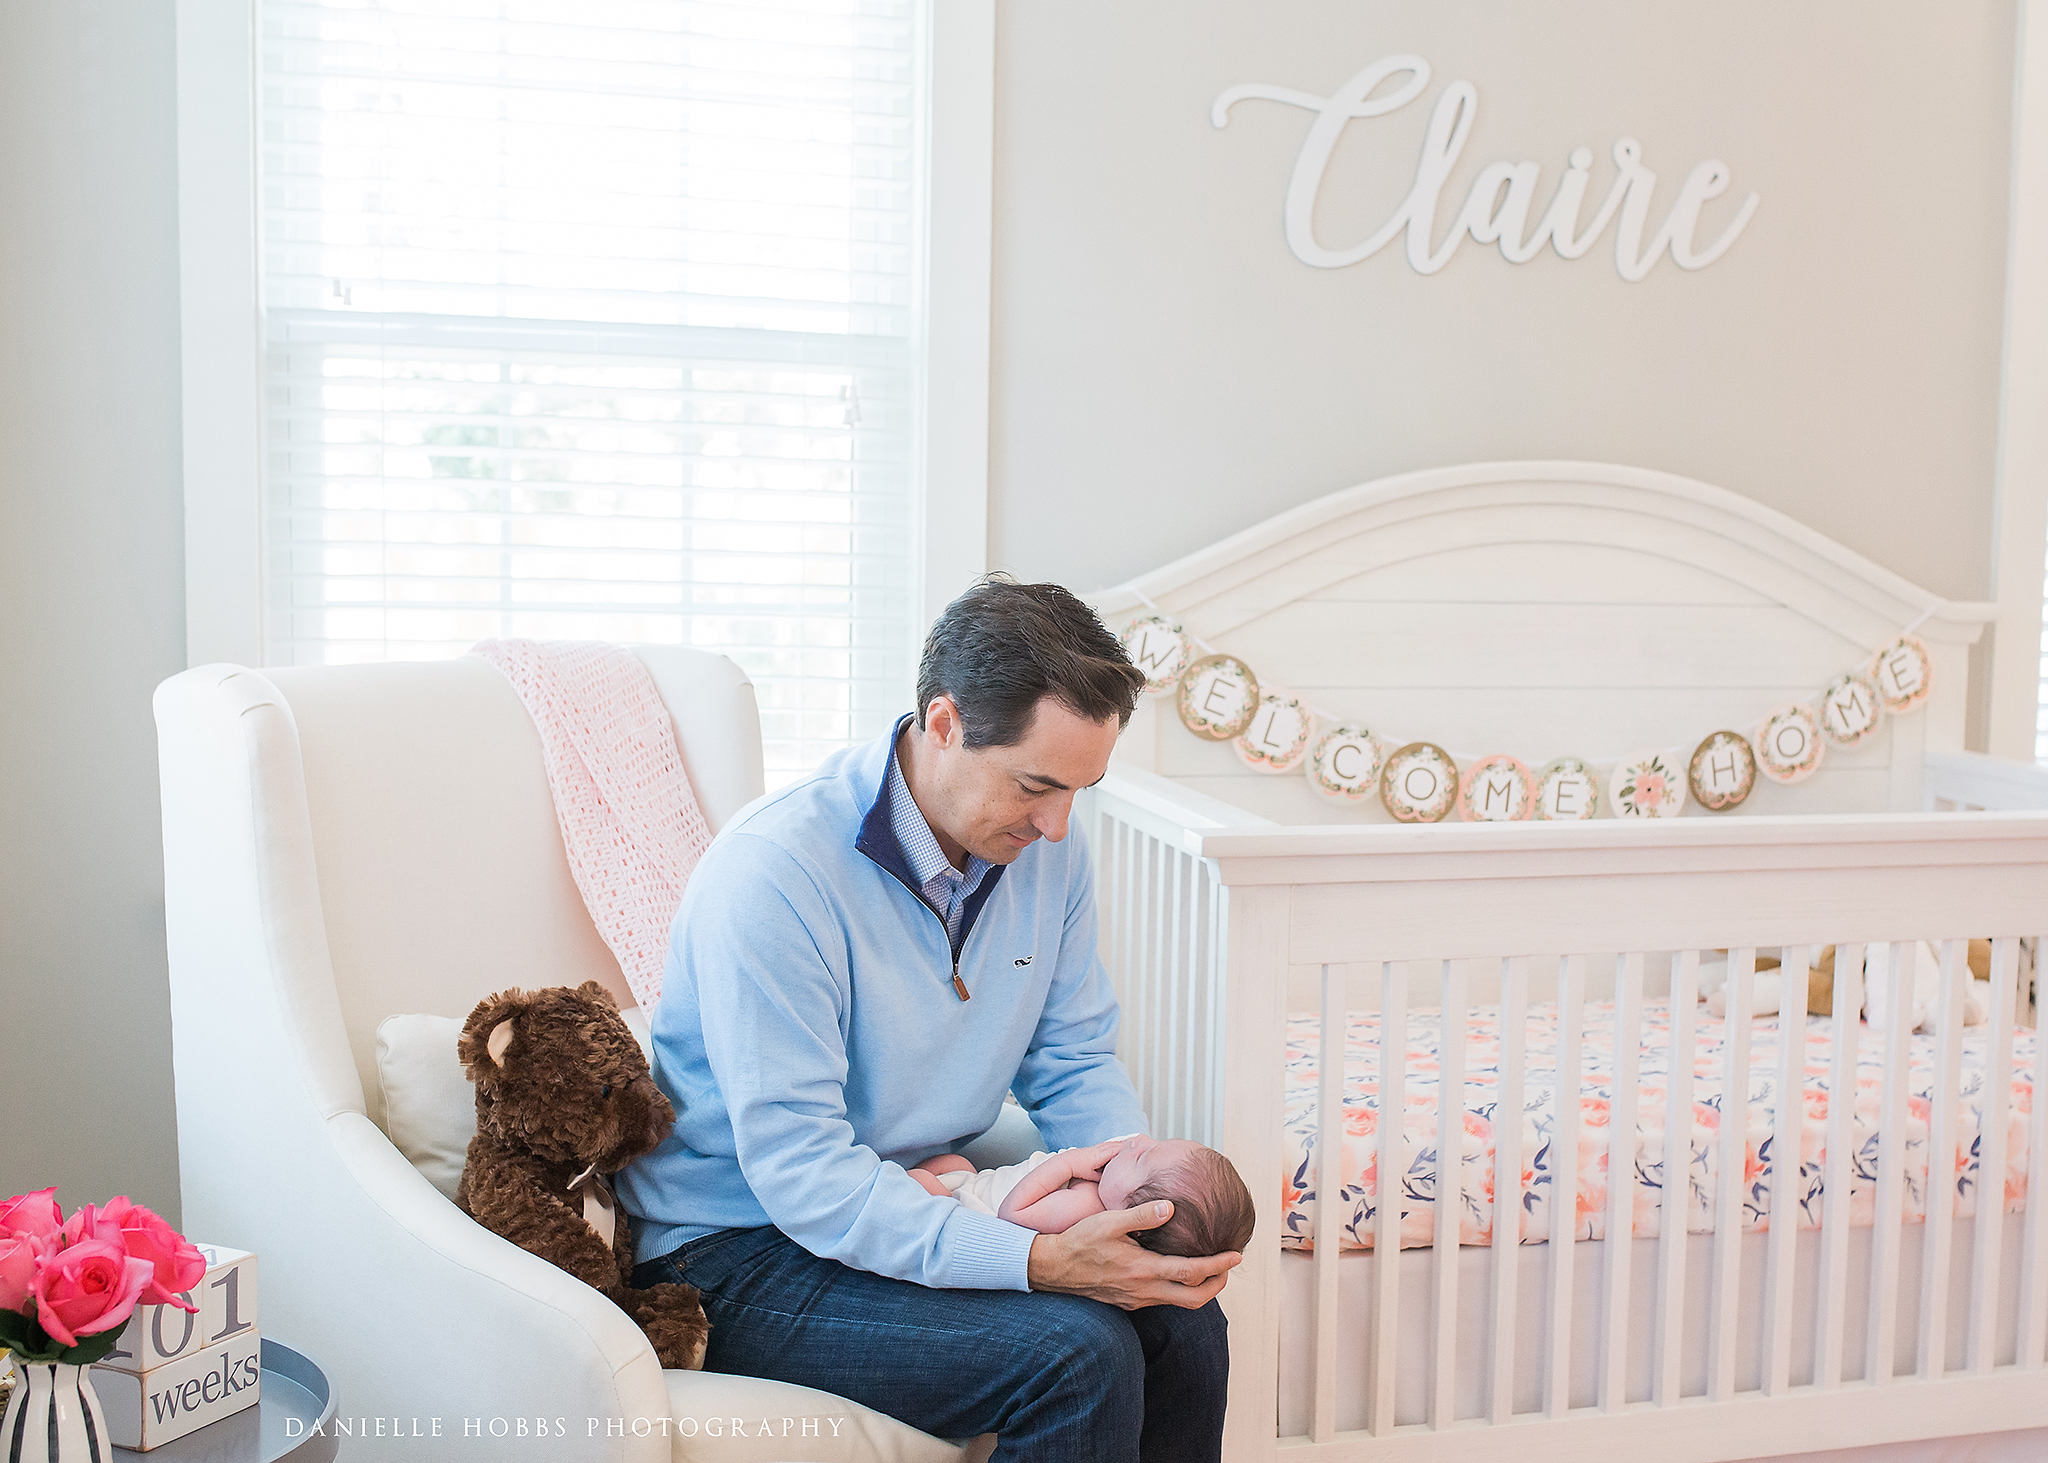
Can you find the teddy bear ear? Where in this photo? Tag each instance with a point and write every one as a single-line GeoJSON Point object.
{"type": "Point", "coordinates": [598, 993]}
{"type": "Point", "coordinates": [489, 1031]}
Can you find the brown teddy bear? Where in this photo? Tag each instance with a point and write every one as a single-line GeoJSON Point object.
{"type": "Point", "coordinates": [564, 1098]}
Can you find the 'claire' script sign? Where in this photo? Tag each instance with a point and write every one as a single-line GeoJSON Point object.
{"type": "Point", "coordinates": [1497, 208]}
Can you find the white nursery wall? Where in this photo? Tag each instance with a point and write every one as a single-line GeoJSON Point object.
{"type": "Point", "coordinates": [1166, 372]}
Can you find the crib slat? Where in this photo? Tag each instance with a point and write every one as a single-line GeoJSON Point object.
{"type": "Point", "coordinates": [1127, 925]}
{"type": "Point", "coordinates": [2033, 1328]}
{"type": "Point", "coordinates": [1330, 1049]}
{"type": "Point", "coordinates": [1831, 1299]}
{"type": "Point", "coordinates": [1888, 1239]}
{"type": "Point", "coordinates": [1985, 1255]}
{"type": "Point", "coordinates": [1787, 1146]}
{"type": "Point", "coordinates": [1219, 966]}
{"type": "Point", "coordinates": [1176, 1031]}
{"type": "Point", "coordinates": [1187, 922]}
{"type": "Point", "coordinates": [1507, 1182]}
{"type": "Point", "coordinates": [1677, 1179]}
{"type": "Point", "coordinates": [1621, 1181]}
{"type": "Point", "coordinates": [1450, 1201]}
{"type": "Point", "coordinates": [1155, 947]}
{"type": "Point", "coordinates": [1932, 1351]}
{"type": "Point", "coordinates": [1563, 1166]}
{"type": "Point", "coordinates": [1731, 1186]}
{"type": "Point", "coordinates": [1389, 1167]}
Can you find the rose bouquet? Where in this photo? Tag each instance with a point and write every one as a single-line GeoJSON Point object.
{"type": "Point", "coordinates": [68, 1286]}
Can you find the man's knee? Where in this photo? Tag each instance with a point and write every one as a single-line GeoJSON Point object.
{"type": "Point", "coordinates": [1092, 1347]}
{"type": "Point", "coordinates": [1198, 1340]}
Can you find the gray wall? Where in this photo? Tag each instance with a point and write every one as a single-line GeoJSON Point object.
{"type": "Point", "coordinates": [1167, 372]}
{"type": "Point", "coordinates": [91, 592]}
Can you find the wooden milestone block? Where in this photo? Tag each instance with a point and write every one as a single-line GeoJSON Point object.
{"type": "Point", "coordinates": [148, 1409]}
{"type": "Point", "coordinates": [173, 1370]}
{"type": "Point", "coordinates": [158, 1335]}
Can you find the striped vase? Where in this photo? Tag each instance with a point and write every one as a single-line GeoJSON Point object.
{"type": "Point", "coordinates": [53, 1416]}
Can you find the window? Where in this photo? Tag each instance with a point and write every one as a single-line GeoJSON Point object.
{"type": "Point", "coordinates": [598, 321]}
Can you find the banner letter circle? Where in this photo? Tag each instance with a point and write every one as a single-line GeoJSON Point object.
{"type": "Point", "coordinates": [1904, 673]}
{"type": "Point", "coordinates": [1158, 647]}
{"type": "Point", "coordinates": [1346, 763]}
{"type": "Point", "coordinates": [1497, 789]}
{"type": "Point", "coordinates": [1567, 791]}
{"type": "Point", "coordinates": [1789, 747]}
{"type": "Point", "coordinates": [1218, 695]}
{"type": "Point", "coordinates": [1850, 709]}
{"type": "Point", "coordinates": [1647, 787]}
{"type": "Point", "coordinates": [1278, 735]}
{"type": "Point", "coordinates": [1420, 784]}
{"type": "Point", "coordinates": [1723, 771]}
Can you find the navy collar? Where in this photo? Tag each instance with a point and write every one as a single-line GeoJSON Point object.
{"type": "Point", "coordinates": [877, 839]}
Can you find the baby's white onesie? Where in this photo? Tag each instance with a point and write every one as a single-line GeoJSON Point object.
{"type": "Point", "coordinates": [984, 1190]}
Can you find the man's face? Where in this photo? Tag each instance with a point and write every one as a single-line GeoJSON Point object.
{"type": "Point", "coordinates": [997, 801]}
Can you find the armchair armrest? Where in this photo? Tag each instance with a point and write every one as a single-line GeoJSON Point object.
{"type": "Point", "coordinates": [501, 1332]}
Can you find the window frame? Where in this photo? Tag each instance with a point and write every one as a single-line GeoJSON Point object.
{"type": "Point", "coordinates": [2020, 515]}
{"type": "Point", "coordinates": [221, 344]}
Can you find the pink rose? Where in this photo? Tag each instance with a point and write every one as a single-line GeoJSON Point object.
{"type": "Point", "coordinates": [175, 1261]}
{"type": "Point", "coordinates": [87, 1287]}
{"type": "Point", "coordinates": [18, 1253]}
{"type": "Point", "coordinates": [34, 1214]}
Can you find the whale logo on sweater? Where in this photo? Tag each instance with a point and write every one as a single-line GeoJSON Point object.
{"type": "Point", "coordinates": [1022, 961]}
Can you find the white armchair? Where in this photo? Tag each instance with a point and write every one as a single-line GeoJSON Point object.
{"type": "Point", "coordinates": [346, 843]}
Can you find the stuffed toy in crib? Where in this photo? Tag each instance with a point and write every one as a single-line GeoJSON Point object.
{"type": "Point", "coordinates": [563, 1100]}
{"type": "Point", "coordinates": [1923, 987]}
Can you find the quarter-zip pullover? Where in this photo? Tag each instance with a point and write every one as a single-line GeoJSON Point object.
{"type": "Point", "coordinates": [813, 1040]}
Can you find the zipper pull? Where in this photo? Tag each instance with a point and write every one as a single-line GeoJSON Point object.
{"type": "Point", "coordinates": [959, 984]}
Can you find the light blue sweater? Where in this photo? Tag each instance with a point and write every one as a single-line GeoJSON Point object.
{"type": "Point", "coordinates": [811, 1039]}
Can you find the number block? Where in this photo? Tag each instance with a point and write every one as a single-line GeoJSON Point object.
{"type": "Point", "coordinates": [145, 1410]}
{"type": "Point", "coordinates": [174, 1370]}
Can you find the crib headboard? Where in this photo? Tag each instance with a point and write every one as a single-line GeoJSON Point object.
{"type": "Point", "coordinates": [1548, 609]}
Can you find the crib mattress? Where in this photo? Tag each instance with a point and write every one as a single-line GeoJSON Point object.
{"type": "Point", "coordinates": [1358, 1193]}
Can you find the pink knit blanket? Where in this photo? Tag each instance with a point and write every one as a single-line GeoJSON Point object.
{"type": "Point", "coordinates": [630, 820]}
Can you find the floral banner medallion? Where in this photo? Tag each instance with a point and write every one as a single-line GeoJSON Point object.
{"type": "Point", "coordinates": [1647, 787]}
{"type": "Point", "coordinates": [1158, 647]}
{"type": "Point", "coordinates": [1789, 748]}
{"type": "Point", "coordinates": [1723, 771]}
{"type": "Point", "coordinates": [1497, 789]}
{"type": "Point", "coordinates": [1346, 763]}
{"type": "Point", "coordinates": [1218, 695]}
{"type": "Point", "coordinates": [1850, 709]}
{"type": "Point", "coordinates": [1277, 738]}
{"type": "Point", "coordinates": [1420, 784]}
{"type": "Point", "coordinates": [1904, 673]}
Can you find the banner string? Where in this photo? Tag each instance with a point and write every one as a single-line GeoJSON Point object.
{"type": "Point", "coordinates": [1465, 759]}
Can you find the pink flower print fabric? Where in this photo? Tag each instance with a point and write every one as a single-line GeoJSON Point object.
{"type": "Point", "coordinates": [1358, 1187]}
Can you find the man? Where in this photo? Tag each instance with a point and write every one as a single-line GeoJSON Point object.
{"type": "Point", "coordinates": [864, 963]}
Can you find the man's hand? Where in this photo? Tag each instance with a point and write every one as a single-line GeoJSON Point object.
{"type": "Point", "coordinates": [1099, 1259]}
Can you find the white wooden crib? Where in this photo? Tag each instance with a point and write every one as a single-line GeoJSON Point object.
{"type": "Point", "coordinates": [1522, 608]}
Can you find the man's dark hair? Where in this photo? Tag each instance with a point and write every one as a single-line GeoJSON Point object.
{"type": "Point", "coordinates": [1213, 1212]}
{"type": "Point", "coordinates": [1002, 647]}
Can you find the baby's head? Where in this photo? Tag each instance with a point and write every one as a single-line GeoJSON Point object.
{"type": "Point", "coordinates": [1212, 1209]}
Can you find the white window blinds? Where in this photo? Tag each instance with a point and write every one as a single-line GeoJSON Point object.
{"type": "Point", "coordinates": [598, 321]}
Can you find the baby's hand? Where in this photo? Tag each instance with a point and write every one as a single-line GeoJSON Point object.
{"type": "Point", "coordinates": [1088, 1162]}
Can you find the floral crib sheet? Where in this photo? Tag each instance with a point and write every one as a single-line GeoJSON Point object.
{"type": "Point", "coordinates": [1359, 1193]}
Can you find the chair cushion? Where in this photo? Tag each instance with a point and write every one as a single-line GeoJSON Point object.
{"type": "Point", "coordinates": [771, 1418]}
{"type": "Point", "coordinates": [429, 1103]}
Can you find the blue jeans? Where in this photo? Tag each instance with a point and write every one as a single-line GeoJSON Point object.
{"type": "Point", "coordinates": [1060, 1378]}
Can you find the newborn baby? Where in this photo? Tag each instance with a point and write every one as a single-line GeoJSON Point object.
{"type": "Point", "coordinates": [1050, 1192]}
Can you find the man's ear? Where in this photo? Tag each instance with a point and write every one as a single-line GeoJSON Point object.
{"type": "Point", "coordinates": [488, 1033]}
{"type": "Point", "coordinates": [942, 721]}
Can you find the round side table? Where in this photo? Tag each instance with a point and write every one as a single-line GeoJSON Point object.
{"type": "Point", "coordinates": [292, 1420]}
